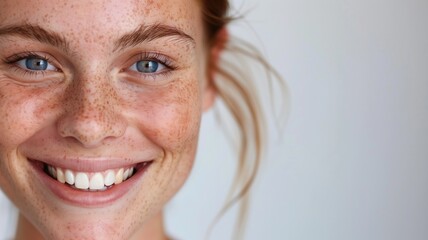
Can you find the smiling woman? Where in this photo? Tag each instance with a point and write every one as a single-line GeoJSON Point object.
{"type": "Point", "coordinates": [101, 103]}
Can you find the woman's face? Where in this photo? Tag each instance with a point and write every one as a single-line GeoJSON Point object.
{"type": "Point", "coordinates": [91, 91]}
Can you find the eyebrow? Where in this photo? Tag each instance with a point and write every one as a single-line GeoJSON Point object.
{"type": "Point", "coordinates": [147, 33]}
{"type": "Point", "coordinates": [144, 33]}
{"type": "Point", "coordinates": [37, 33]}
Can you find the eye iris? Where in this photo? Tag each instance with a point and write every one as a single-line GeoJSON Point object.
{"type": "Point", "coordinates": [147, 66]}
{"type": "Point", "coordinates": [36, 64]}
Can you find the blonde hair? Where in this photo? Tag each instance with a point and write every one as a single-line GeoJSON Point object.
{"type": "Point", "coordinates": [236, 87]}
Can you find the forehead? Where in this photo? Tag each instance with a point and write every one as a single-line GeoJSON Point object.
{"type": "Point", "coordinates": [101, 18]}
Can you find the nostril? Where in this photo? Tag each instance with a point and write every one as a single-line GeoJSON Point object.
{"type": "Point", "coordinates": [92, 111]}
{"type": "Point", "coordinates": [91, 132]}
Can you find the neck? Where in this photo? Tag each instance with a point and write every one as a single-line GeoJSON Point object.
{"type": "Point", "coordinates": [153, 229]}
{"type": "Point", "coordinates": [26, 229]}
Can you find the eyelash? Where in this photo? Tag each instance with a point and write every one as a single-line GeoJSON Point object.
{"type": "Point", "coordinates": [157, 57]}
{"type": "Point", "coordinates": [145, 56]}
{"type": "Point", "coordinates": [154, 56]}
{"type": "Point", "coordinates": [13, 60]}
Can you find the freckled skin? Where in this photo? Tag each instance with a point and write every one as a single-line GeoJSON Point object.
{"type": "Point", "coordinates": [91, 108]}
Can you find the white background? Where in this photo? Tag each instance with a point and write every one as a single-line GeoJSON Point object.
{"type": "Point", "coordinates": [352, 162]}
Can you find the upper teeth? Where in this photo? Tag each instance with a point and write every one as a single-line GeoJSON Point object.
{"type": "Point", "coordinates": [93, 180]}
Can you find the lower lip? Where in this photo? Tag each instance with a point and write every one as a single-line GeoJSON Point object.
{"type": "Point", "coordinates": [88, 199]}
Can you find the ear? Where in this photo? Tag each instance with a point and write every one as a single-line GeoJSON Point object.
{"type": "Point", "coordinates": [216, 48]}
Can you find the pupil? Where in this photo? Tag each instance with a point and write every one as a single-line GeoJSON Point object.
{"type": "Point", "coordinates": [147, 66]}
{"type": "Point", "coordinates": [36, 64]}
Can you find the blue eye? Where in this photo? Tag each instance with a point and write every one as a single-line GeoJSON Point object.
{"type": "Point", "coordinates": [35, 64]}
{"type": "Point", "coordinates": [147, 66]}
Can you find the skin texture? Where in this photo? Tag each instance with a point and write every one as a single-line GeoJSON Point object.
{"type": "Point", "coordinates": [94, 106]}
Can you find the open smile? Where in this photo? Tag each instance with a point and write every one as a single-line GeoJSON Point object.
{"type": "Point", "coordinates": [90, 186]}
{"type": "Point", "coordinates": [92, 181]}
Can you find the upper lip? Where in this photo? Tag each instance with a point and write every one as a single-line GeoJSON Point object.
{"type": "Point", "coordinates": [85, 164]}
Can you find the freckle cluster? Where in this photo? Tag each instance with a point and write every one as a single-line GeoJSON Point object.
{"type": "Point", "coordinates": [90, 101]}
{"type": "Point", "coordinates": [96, 112]}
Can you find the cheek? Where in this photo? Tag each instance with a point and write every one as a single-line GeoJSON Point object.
{"type": "Point", "coordinates": [170, 116]}
{"type": "Point", "coordinates": [25, 111]}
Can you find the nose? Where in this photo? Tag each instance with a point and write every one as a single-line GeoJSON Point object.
{"type": "Point", "coordinates": [91, 113]}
